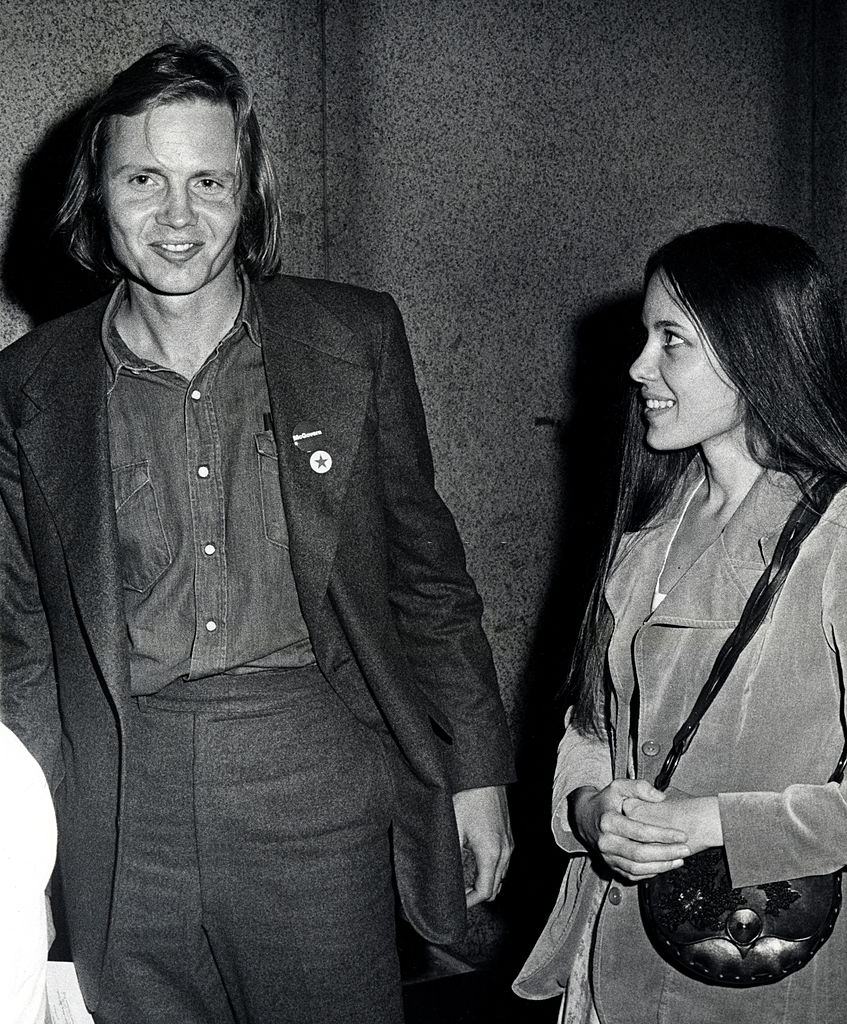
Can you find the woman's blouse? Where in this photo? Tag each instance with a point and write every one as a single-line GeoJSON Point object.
{"type": "Point", "coordinates": [766, 748]}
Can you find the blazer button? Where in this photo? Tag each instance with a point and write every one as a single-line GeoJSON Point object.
{"type": "Point", "coordinates": [650, 748]}
{"type": "Point", "coordinates": [615, 895]}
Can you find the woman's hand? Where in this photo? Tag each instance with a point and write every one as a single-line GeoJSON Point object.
{"type": "Point", "coordinates": [698, 817]}
{"type": "Point", "coordinates": [633, 849]}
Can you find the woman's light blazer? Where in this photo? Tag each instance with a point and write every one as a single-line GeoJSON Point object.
{"type": "Point", "coordinates": [767, 747]}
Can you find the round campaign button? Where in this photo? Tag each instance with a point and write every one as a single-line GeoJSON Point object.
{"type": "Point", "coordinates": [308, 438]}
{"type": "Point", "coordinates": [321, 462]}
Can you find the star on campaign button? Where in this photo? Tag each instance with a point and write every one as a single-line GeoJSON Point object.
{"type": "Point", "coordinates": [321, 462]}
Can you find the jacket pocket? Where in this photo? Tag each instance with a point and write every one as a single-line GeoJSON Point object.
{"type": "Point", "coordinates": [273, 516]}
{"type": "Point", "coordinates": [145, 552]}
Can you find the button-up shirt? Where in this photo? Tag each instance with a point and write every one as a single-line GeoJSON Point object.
{"type": "Point", "coordinates": [207, 576]}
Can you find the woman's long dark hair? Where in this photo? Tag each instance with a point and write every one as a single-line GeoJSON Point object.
{"type": "Point", "coordinates": [770, 311]}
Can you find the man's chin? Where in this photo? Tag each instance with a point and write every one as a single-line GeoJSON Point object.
{"type": "Point", "coordinates": [181, 281]}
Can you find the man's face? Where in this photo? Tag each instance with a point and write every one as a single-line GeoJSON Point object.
{"type": "Point", "coordinates": [172, 201]}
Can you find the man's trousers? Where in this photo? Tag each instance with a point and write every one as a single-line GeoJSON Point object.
{"type": "Point", "coordinates": [254, 883]}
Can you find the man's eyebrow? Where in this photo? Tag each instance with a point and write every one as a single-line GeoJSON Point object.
{"type": "Point", "coordinates": [215, 173]}
{"type": "Point", "coordinates": [137, 168]}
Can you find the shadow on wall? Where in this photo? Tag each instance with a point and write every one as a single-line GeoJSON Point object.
{"type": "Point", "coordinates": [606, 342]}
{"type": "Point", "coordinates": [37, 273]}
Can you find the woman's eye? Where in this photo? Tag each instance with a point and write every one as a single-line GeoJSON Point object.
{"type": "Point", "coordinates": [209, 185]}
{"type": "Point", "coordinates": [671, 340]}
{"type": "Point", "coordinates": [141, 180]}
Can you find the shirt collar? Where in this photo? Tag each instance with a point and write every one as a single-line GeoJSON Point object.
{"type": "Point", "coordinates": [119, 354]}
{"type": "Point", "coordinates": [247, 315]}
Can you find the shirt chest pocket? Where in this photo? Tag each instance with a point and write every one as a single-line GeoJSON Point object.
{"type": "Point", "coordinates": [273, 517]}
{"type": "Point", "coordinates": [145, 552]}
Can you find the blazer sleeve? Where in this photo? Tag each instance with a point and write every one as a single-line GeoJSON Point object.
{"type": "Point", "coordinates": [28, 698]}
{"type": "Point", "coordinates": [581, 761]}
{"type": "Point", "coordinates": [436, 605]}
{"type": "Point", "coordinates": [803, 829]}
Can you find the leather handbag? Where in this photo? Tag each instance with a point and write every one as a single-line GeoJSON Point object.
{"type": "Point", "coordinates": [695, 918]}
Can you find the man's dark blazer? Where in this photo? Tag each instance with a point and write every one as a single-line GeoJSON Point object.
{"type": "Point", "coordinates": [379, 568]}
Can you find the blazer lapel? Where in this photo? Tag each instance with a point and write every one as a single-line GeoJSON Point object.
{"type": "Point", "coordinates": [714, 590]}
{"type": "Point", "coordinates": [67, 447]}
{"type": "Point", "coordinates": [316, 381]}
{"type": "Point", "coordinates": [631, 584]}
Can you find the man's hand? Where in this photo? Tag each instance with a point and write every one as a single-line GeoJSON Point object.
{"type": "Point", "coordinates": [482, 816]}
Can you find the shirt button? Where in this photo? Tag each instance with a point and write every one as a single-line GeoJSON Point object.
{"type": "Point", "coordinates": [211, 626]}
{"type": "Point", "coordinates": [203, 471]}
{"type": "Point", "coordinates": [650, 748]}
{"type": "Point", "coordinates": [195, 394]}
{"type": "Point", "coordinates": [615, 896]}
{"type": "Point", "coordinates": [209, 549]}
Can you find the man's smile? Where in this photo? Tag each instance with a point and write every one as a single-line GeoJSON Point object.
{"type": "Point", "coordinates": [176, 252]}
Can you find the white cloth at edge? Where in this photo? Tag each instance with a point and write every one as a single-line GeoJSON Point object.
{"type": "Point", "coordinates": [27, 856]}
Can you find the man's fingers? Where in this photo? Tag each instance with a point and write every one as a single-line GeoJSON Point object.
{"type": "Point", "coordinates": [472, 897]}
{"type": "Point", "coordinates": [502, 865]}
{"type": "Point", "coordinates": [492, 861]}
{"type": "Point", "coordinates": [487, 858]}
{"type": "Point", "coordinates": [482, 820]}
{"type": "Point", "coordinates": [483, 888]}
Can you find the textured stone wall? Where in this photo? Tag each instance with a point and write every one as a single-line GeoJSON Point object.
{"type": "Point", "coordinates": [502, 167]}
{"type": "Point", "coordinates": [829, 154]}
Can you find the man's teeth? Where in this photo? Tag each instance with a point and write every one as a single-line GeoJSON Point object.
{"type": "Point", "coordinates": [176, 246]}
{"type": "Point", "coordinates": [660, 403]}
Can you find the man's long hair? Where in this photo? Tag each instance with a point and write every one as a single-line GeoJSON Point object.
{"type": "Point", "coordinates": [173, 73]}
{"type": "Point", "coordinates": [770, 311]}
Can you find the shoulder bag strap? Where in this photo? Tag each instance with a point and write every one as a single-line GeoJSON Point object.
{"type": "Point", "coordinates": [804, 517]}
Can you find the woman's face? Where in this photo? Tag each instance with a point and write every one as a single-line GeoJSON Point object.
{"type": "Point", "coordinates": [687, 399]}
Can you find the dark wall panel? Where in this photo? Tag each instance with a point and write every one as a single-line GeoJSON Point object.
{"type": "Point", "coordinates": [829, 155]}
{"type": "Point", "coordinates": [504, 169]}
